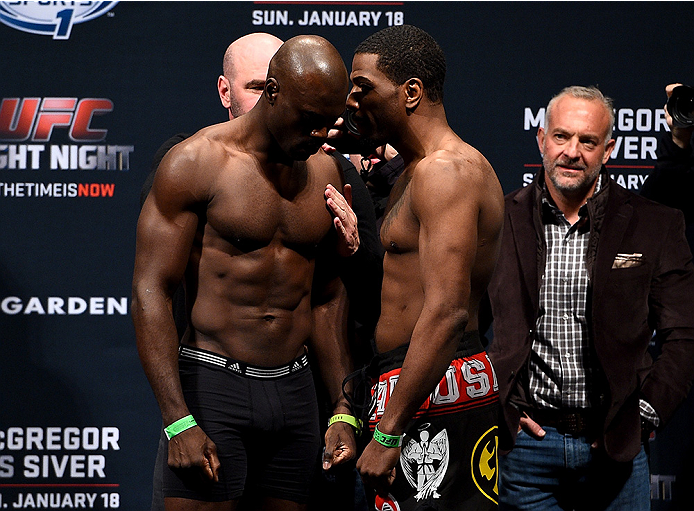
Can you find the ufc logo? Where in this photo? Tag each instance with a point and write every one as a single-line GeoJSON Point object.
{"type": "Point", "coordinates": [34, 118]}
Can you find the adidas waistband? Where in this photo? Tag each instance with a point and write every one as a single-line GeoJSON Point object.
{"type": "Point", "coordinates": [216, 360]}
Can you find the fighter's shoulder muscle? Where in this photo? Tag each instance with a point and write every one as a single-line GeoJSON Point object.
{"type": "Point", "coordinates": [457, 158]}
{"type": "Point", "coordinates": [328, 167]}
{"type": "Point", "coordinates": [456, 174]}
{"type": "Point", "coordinates": [191, 166]}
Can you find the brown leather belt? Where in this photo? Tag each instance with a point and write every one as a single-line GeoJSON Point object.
{"type": "Point", "coordinates": [572, 421]}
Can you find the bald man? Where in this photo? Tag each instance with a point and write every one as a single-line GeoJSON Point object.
{"type": "Point", "coordinates": [243, 71]}
{"type": "Point", "coordinates": [237, 210]}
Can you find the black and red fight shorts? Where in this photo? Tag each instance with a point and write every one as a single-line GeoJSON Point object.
{"type": "Point", "coordinates": [448, 459]}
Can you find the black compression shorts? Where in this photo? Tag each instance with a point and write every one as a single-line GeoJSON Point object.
{"type": "Point", "coordinates": [264, 422]}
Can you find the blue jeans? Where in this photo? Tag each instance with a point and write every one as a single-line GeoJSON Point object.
{"type": "Point", "coordinates": [562, 472]}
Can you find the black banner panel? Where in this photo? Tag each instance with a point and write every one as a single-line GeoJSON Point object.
{"type": "Point", "coordinates": [90, 90]}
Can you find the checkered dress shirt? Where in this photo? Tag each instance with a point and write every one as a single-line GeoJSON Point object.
{"type": "Point", "coordinates": [560, 367]}
{"type": "Point", "coordinates": [561, 370]}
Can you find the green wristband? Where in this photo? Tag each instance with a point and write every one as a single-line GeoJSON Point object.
{"type": "Point", "coordinates": [387, 440]}
{"type": "Point", "coordinates": [179, 426]}
{"type": "Point", "coordinates": [349, 419]}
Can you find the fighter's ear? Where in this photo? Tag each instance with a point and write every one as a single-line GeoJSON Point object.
{"type": "Point", "coordinates": [414, 91]}
{"type": "Point", "coordinates": [272, 88]}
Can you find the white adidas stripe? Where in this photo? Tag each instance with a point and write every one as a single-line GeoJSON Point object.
{"type": "Point", "coordinates": [267, 373]}
{"type": "Point", "coordinates": [204, 357]}
{"type": "Point", "coordinates": [257, 372]}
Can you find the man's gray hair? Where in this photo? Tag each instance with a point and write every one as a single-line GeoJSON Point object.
{"type": "Point", "coordinates": [591, 93]}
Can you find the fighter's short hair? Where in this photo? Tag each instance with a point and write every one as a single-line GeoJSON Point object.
{"type": "Point", "coordinates": [404, 52]}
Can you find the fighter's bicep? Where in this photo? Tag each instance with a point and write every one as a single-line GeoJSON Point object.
{"type": "Point", "coordinates": [448, 217]}
{"type": "Point", "coordinates": [166, 227]}
{"type": "Point", "coordinates": [163, 244]}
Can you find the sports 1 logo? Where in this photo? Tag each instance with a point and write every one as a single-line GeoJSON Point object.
{"type": "Point", "coordinates": [34, 118]}
{"type": "Point", "coordinates": [50, 18]}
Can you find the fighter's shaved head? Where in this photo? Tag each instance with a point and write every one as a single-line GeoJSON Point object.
{"type": "Point", "coordinates": [305, 93]}
{"type": "Point", "coordinates": [306, 60]}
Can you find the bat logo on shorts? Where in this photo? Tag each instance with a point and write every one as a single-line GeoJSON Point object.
{"type": "Point", "coordinates": [484, 464]}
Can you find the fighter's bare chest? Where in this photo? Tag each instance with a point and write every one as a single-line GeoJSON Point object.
{"type": "Point", "coordinates": [399, 228]}
{"type": "Point", "coordinates": [255, 213]}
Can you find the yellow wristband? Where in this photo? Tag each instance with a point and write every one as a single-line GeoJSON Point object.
{"type": "Point", "coordinates": [349, 419]}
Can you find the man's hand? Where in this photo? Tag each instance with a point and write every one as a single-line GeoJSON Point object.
{"type": "Point", "coordinates": [345, 220]}
{"type": "Point", "coordinates": [531, 427]}
{"type": "Point", "coordinates": [377, 466]}
{"type": "Point", "coordinates": [680, 136]}
{"type": "Point", "coordinates": [192, 449]}
{"type": "Point", "coordinates": [337, 131]}
{"type": "Point", "coordinates": [339, 139]}
{"type": "Point", "coordinates": [340, 445]}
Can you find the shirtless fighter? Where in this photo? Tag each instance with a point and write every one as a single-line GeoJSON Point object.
{"type": "Point", "coordinates": [435, 396]}
{"type": "Point", "coordinates": [238, 212]}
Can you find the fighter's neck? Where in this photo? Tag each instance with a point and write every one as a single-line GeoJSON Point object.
{"type": "Point", "coordinates": [422, 136]}
{"type": "Point", "coordinates": [255, 138]}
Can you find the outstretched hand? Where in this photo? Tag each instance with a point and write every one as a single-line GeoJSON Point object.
{"type": "Point", "coordinates": [193, 449]}
{"type": "Point", "coordinates": [340, 445]}
{"type": "Point", "coordinates": [345, 220]}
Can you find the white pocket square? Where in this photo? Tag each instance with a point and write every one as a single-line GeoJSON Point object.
{"type": "Point", "coordinates": [627, 261]}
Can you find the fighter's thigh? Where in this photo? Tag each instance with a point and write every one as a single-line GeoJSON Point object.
{"type": "Point", "coordinates": [282, 461]}
{"type": "Point", "coordinates": [158, 477]}
{"type": "Point", "coordinates": [449, 461]}
{"type": "Point", "coordinates": [219, 402]}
